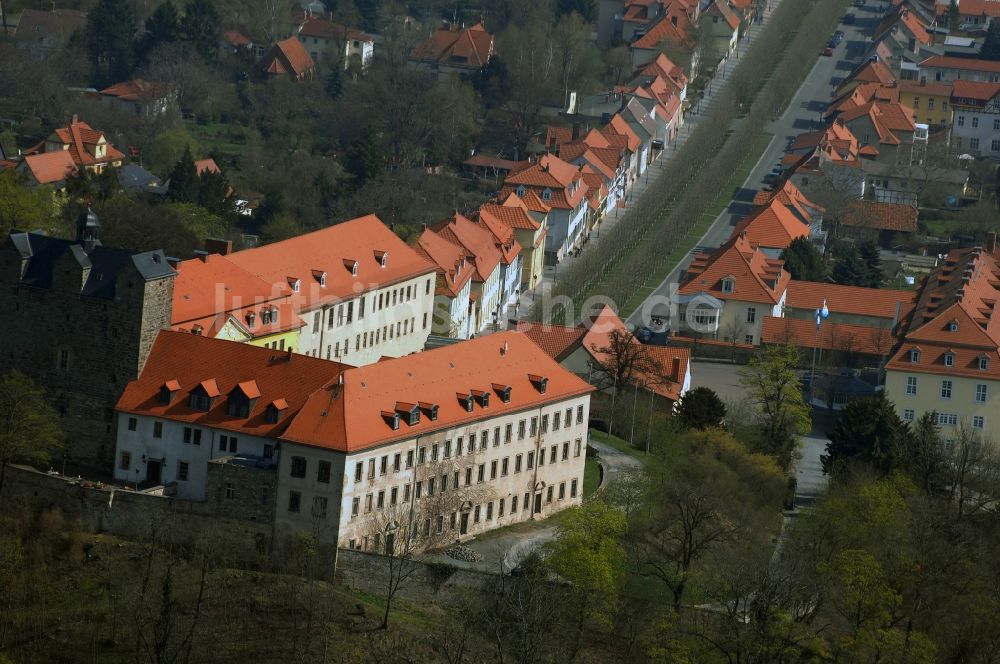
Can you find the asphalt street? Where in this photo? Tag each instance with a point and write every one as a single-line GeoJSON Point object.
{"type": "Point", "coordinates": [803, 114]}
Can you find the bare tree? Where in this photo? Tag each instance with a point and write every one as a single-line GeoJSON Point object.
{"type": "Point", "coordinates": [391, 532]}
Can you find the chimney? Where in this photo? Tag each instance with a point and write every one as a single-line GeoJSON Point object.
{"type": "Point", "coordinates": [202, 255]}
{"type": "Point", "coordinates": [993, 242]}
{"type": "Point", "coordinates": [673, 19]}
{"type": "Point", "coordinates": [218, 246]}
{"type": "Point", "coordinates": [75, 119]}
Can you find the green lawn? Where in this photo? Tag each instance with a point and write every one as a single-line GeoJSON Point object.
{"type": "Point", "coordinates": [736, 179]}
{"type": "Point", "coordinates": [616, 442]}
{"type": "Point", "coordinates": [591, 477]}
{"type": "Point", "coordinates": [218, 138]}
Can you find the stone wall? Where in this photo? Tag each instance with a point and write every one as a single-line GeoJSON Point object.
{"type": "Point", "coordinates": [367, 572]}
{"type": "Point", "coordinates": [238, 488]}
{"type": "Point", "coordinates": [712, 349]}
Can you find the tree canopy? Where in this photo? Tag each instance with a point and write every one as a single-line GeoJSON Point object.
{"type": "Point", "coordinates": [868, 432]}
{"type": "Point", "coordinates": [29, 426]}
{"type": "Point", "coordinates": [804, 261]}
{"type": "Point", "coordinates": [782, 412]}
{"type": "Point", "coordinates": [701, 408]}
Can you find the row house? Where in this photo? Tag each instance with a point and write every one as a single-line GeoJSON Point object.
{"type": "Point", "coordinates": [973, 15]}
{"type": "Point", "coordinates": [930, 102]}
{"type": "Point", "coordinates": [904, 37]}
{"type": "Point", "coordinates": [584, 350]}
{"type": "Point", "coordinates": [487, 258]}
{"type": "Point", "coordinates": [363, 293]}
{"type": "Point", "coordinates": [606, 164]}
{"type": "Point", "coordinates": [873, 72]}
{"type": "Point", "coordinates": [852, 305]}
{"type": "Point", "coordinates": [886, 131]}
{"type": "Point", "coordinates": [772, 227]}
{"type": "Point", "coordinates": [560, 187]}
{"type": "Point", "coordinates": [454, 49]}
{"type": "Point", "coordinates": [529, 227]}
{"type": "Point", "coordinates": [511, 258]}
{"type": "Point", "coordinates": [947, 359]}
{"type": "Point", "coordinates": [727, 294]}
{"type": "Point", "coordinates": [975, 127]}
{"type": "Point", "coordinates": [796, 202]}
{"type": "Point", "coordinates": [328, 41]}
{"type": "Point", "coordinates": [454, 314]}
{"type": "Point", "coordinates": [441, 446]}
{"type": "Point", "coordinates": [942, 68]}
{"type": "Point", "coordinates": [725, 25]}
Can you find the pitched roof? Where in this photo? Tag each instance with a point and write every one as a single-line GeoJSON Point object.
{"type": "Point", "coordinates": [563, 180]}
{"type": "Point", "coordinates": [934, 88]}
{"type": "Point", "coordinates": [872, 71]}
{"type": "Point", "coordinates": [138, 90]}
{"type": "Point", "coordinates": [317, 26]}
{"type": "Point", "coordinates": [455, 267]}
{"type": "Point", "coordinates": [512, 212]}
{"type": "Point", "coordinates": [475, 240]}
{"type": "Point", "coordinates": [981, 8]}
{"type": "Point", "coordinates": [757, 278]}
{"type": "Point", "coordinates": [49, 167]}
{"type": "Point", "coordinates": [334, 250]}
{"type": "Point", "coordinates": [557, 341]}
{"type": "Point", "coordinates": [792, 197]}
{"type": "Point", "coordinates": [901, 15]}
{"type": "Point", "coordinates": [80, 140]}
{"type": "Point", "coordinates": [35, 25]}
{"type": "Point", "coordinates": [888, 118]}
{"type": "Point", "coordinates": [191, 360]}
{"type": "Point", "coordinates": [674, 25]}
{"type": "Point", "coordinates": [287, 58]}
{"type": "Point", "coordinates": [977, 90]}
{"type": "Point", "coordinates": [949, 62]}
{"type": "Point", "coordinates": [455, 46]}
{"type": "Point", "coordinates": [802, 332]}
{"type": "Point", "coordinates": [773, 226]}
{"type": "Point", "coordinates": [848, 300]}
{"type": "Point", "coordinates": [722, 8]}
{"type": "Point", "coordinates": [881, 216]}
{"type": "Point", "coordinates": [351, 416]}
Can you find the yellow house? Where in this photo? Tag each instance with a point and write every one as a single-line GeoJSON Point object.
{"type": "Point", "coordinates": [530, 224]}
{"type": "Point", "coordinates": [929, 101]}
{"type": "Point", "coordinates": [948, 362]}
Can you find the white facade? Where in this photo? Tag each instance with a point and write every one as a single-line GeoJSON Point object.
{"type": "Point", "coordinates": [389, 321]}
{"type": "Point", "coordinates": [511, 281]}
{"type": "Point", "coordinates": [448, 485]}
{"type": "Point", "coordinates": [977, 132]}
{"type": "Point", "coordinates": [160, 451]}
{"type": "Point", "coordinates": [487, 304]}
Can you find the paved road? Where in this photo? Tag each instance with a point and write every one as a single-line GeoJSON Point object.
{"type": "Point", "coordinates": [803, 114]}
{"type": "Point", "coordinates": [613, 461]}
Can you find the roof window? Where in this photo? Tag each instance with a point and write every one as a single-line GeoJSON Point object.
{"type": "Point", "coordinates": [915, 355]}
{"type": "Point", "coordinates": [503, 391]}
{"type": "Point", "coordinates": [984, 363]}
{"type": "Point", "coordinates": [296, 284]}
{"type": "Point", "coordinates": [352, 266]}
{"type": "Point", "coordinates": [320, 276]}
{"type": "Point", "coordinates": [949, 359]}
{"type": "Point", "coordinates": [541, 383]}
{"type": "Point", "coordinates": [728, 285]}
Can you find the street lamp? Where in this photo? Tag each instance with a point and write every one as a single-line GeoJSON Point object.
{"type": "Point", "coordinates": [821, 315]}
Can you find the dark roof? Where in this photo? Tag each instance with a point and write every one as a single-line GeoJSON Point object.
{"type": "Point", "coordinates": [133, 177]}
{"type": "Point", "coordinates": [105, 263]}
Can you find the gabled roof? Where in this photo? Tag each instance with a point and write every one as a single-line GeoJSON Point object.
{"type": "Point", "coordinates": [792, 197]}
{"type": "Point", "coordinates": [757, 278]}
{"type": "Point", "coordinates": [980, 91]}
{"type": "Point", "coordinates": [455, 46]}
{"type": "Point", "coordinates": [802, 333]}
{"type": "Point", "coordinates": [881, 216]}
{"type": "Point", "coordinates": [563, 180]}
{"type": "Point", "coordinates": [35, 25]}
{"type": "Point", "coordinates": [773, 226]}
{"type": "Point", "coordinates": [503, 237]}
{"type": "Point", "coordinates": [930, 88]}
{"type": "Point", "coordinates": [350, 416]}
{"type": "Point", "coordinates": [287, 58]}
{"type": "Point", "coordinates": [971, 64]}
{"type": "Point", "coordinates": [475, 240]}
{"type": "Point", "coordinates": [512, 212]}
{"type": "Point", "coordinates": [674, 25]}
{"type": "Point", "coordinates": [900, 15]}
{"type": "Point", "coordinates": [848, 300]}
{"type": "Point", "coordinates": [721, 8]}
{"type": "Point", "coordinates": [80, 140]}
{"type": "Point", "coordinates": [138, 90]}
{"type": "Point", "coordinates": [331, 250]}
{"type": "Point", "coordinates": [872, 71]}
{"type": "Point", "coordinates": [981, 8]}
{"type": "Point", "coordinates": [322, 28]}
{"type": "Point", "coordinates": [49, 167]}
{"type": "Point", "coordinates": [191, 360]}
{"type": "Point", "coordinates": [888, 118]}
{"type": "Point", "coordinates": [455, 267]}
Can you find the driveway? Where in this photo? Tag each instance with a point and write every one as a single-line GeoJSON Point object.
{"type": "Point", "coordinates": [613, 461]}
{"type": "Point", "coordinates": [722, 378]}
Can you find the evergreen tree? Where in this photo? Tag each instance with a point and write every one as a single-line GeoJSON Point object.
{"type": "Point", "coordinates": [200, 26]}
{"type": "Point", "coordinates": [587, 9]}
{"type": "Point", "coordinates": [869, 432]}
{"type": "Point", "coordinates": [991, 45]}
{"type": "Point", "coordinates": [803, 260]}
{"type": "Point", "coordinates": [213, 188]}
{"type": "Point", "coordinates": [365, 158]}
{"type": "Point", "coordinates": [184, 183]}
{"type": "Point", "coordinates": [701, 408]}
{"type": "Point", "coordinates": [162, 27]}
{"type": "Point", "coordinates": [335, 83]}
{"type": "Point", "coordinates": [110, 28]}
{"type": "Point", "coordinates": [872, 261]}
{"type": "Point", "coordinates": [850, 269]}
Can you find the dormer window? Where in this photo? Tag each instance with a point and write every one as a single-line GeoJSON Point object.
{"type": "Point", "coordinates": [392, 419]}
{"type": "Point", "coordinates": [296, 284]}
{"type": "Point", "coordinates": [168, 390]}
{"type": "Point", "coordinates": [728, 285]}
{"type": "Point", "coordinates": [430, 408]}
{"type": "Point", "coordinates": [203, 395]}
{"type": "Point", "coordinates": [320, 276]}
{"type": "Point", "coordinates": [915, 356]}
{"type": "Point", "coordinates": [521, 191]}
{"type": "Point", "coordinates": [251, 319]}
{"type": "Point", "coordinates": [541, 383]}
{"type": "Point", "coordinates": [466, 401]}
{"type": "Point", "coordinates": [382, 257]}
{"type": "Point", "coordinates": [242, 398]}
{"type": "Point", "coordinates": [265, 316]}
{"type": "Point", "coordinates": [984, 363]}
{"type": "Point", "coordinates": [275, 410]}
{"type": "Point", "coordinates": [953, 326]}
{"type": "Point", "coordinates": [352, 266]}
{"type": "Point", "coordinates": [949, 359]}
{"type": "Point", "coordinates": [409, 410]}
{"type": "Point", "coordinates": [546, 194]}
{"type": "Point", "coordinates": [482, 397]}
{"type": "Point", "coordinates": [503, 391]}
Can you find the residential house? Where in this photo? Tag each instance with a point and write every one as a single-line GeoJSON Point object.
{"type": "Point", "coordinates": [791, 197]}
{"type": "Point", "coordinates": [47, 168]}
{"type": "Point", "coordinates": [973, 15]}
{"type": "Point", "coordinates": [454, 49]}
{"type": "Point", "coordinates": [561, 188]}
{"type": "Point", "coordinates": [140, 98]}
{"type": "Point", "coordinates": [889, 224]}
{"type": "Point", "coordinates": [851, 305]}
{"type": "Point", "coordinates": [442, 445]}
{"type": "Point", "coordinates": [872, 71]}
{"type": "Point", "coordinates": [725, 25]}
{"type": "Point", "coordinates": [827, 161]}
{"type": "Point", "coordinates": [942, 68]}
{"type": "Point", "coordinates": [885, 131]}
{"type": "Point", "coordinates": [87, 147]}
{"type": "Point", "coordinates": [454, 314]}
{"type": "Point", "coordinates": [480, 249]}
{"type": "Point", "coordinates": [976, 125]}
{"type": "Point", "coordinates": [604, 166]}
{"type": "Point", "coordinates": [859, 95]}
{"type": "Point", "coordinates": [772, 227]}
{"type": "Point", "coordinates": [905, 36]}
{"type": "Point", "coordinates": [673, 24]}
{"type": "Point", "coordinates": [584, 350]}
{"type": "Point", "coordinates": [946, 361]}
{"type": "Point", "coordinates": [237, 40]}
{"type": "Point", "coordinates": [200, 399]}
{"type": "Point", "coordinates": [529, 229]}
{"type": "Point", "coordinates": [42, 33]}
{"type": "Point", "coordinates": [930, 102]}
{"type": "Point", "coordinates": [135, 179]}
{"type": "Point", "coordinates": [213, 297]}
{"type": "Point", "coordinates": [507, 244]}
{"type": "Point", "coordinates": [486, 167]}
{"type": "Point", "coordinates": [287, 59]}
{"type": "Point", "coordinates": [363, 293]}
{"type": "Point", "coordinates": [327, 41]}
{"type": "Point", "coordinates": [727, 294]}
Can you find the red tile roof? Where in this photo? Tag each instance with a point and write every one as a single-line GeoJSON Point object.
{"type": "Point", "coordinates": [831, 336]}
{"type": "Point", "coordinates": [193, 360]}
{"type": "Point", "coordinates": [138, 90]}
{"type": "Point", "coordinates": [334, 250]}
{"type": "Point", "coordinates": [773, 226]}
{"type": "Point", "coordinates": [665, 29]}
{"type": "Point", "coordinates": [848, 300]}
{"type": "Point", "coordinates": [975, 90]}
{"type": "Point", "coordinates": [49, 167]}
{"type": "Point", "coordinates": [757, 278]}
{"type": "Point", "coordinates": [317, 26]}
{"type": "Point", "coordinates": [933, 88]}
{"type": "Point", "coordinates": [455, 266]}
{"type": "Point", "coordinates": [475, 240]}
{"type": "Point", "coordinates": [949, 62]}
{"type": "Point", "coordinates": [558, 341]}
{"type": "Point", "coordinates": [512, 212]}
{"type": "Point", "coordinates": [454, 46]}
{"type": "Point", "coordinates": [890, 119]}
{"type": "Point", "coordinates": [981, 8]}
{"type": "Point", "coordinates": [287, 58]}
{"type": "Point", "coordinates": [561, 179]}
{"type": "Point", "coordinates": [81, 141]}
{"type": "Point", "coordinates": [902, 15]}
{"type": "Point", "coordinates": [881, 216]}
{"type": "Point", "coordinates": [791, 196]}
{"type": "Point", "coordinates": [351, 416]}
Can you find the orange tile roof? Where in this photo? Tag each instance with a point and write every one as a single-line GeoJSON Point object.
{"type": "Point", "coordinates": [727, 14]}
{"type": "Point", "coordinates": [976, 90]}
{"type": "Point", "coordinates": [80, 140]}
{"type": "Point", "coordinates": [562, 179]}
{"type": "Point", "coordinates": [872, 71]}
{"type": "Point", "coordinates": [902, 15]}
{"type": "Point", "coordinates": [949, 62]}
{"type": "Point", "coordinates": [351, 416]}
{"type": "Point", "coordinates": [193, 360]}
{"type": "Point", "coordinates": [455, 46]}
{"type": "Point", "coordinates": [757, 277]}
{"type": "Point", "coordinates": [475, 240]}
{"type": "Point", "coordinates": [981, 8]}
{"type": "Point", "coordinates": [558, 341]}
{"type": "Point", "coordinates": [888, 118]}
{"type": "Point", "coordinates": [287, 58]}
{"type": "Point", "coordinates": [831, 336]}
{"type": "Point", "coordinates": [881, 216]}
{"type": "Point", "coordinates": [934, 88]}
{"type": "Point", "coordinates": [50, 167]}
{"type": "Point", "coordinates": [620, 126]}
{"type": "Point", "coordinates": [503, 237]}
{"type": "Point", "coordinates": [208, 290]}
{"type": "Point", "coordinates": [512, 212]}
{"type": "Point", "coordinates": [790, 195]}
{"type": "Point", "coordinates": [138, 90]}
{"type": "Point", "coordinates": [773, 226]}
{"type": "Point", "coordinates": [848, 300]}
{"type": "Point", "coordinates": [334, 250]}
{"type": "Point", "coordinates": [322, 28]}
{"type": "Point", "coordinates": [455, 268]}
{"type": "Point", "coordinates": [665, 30]}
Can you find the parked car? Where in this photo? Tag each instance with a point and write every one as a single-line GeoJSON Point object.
{"type": "Point", "coordinates": [827, 51]}
{"type": "Point", "coordinates": [849, 19]}
{"type": "Point", "coordinates": [859, 3]}
{"type": "Point", "coordinates": [644, 335]}
{"type": "Point", "coordinates": [839, 35]}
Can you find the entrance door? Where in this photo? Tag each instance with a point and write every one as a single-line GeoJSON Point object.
{"type": "Point", "coordinates": [538, 503]}
{"type": "Point", "coordinates": [154, 471]}
{"type": "Point", "coordinates": [465, 523]}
